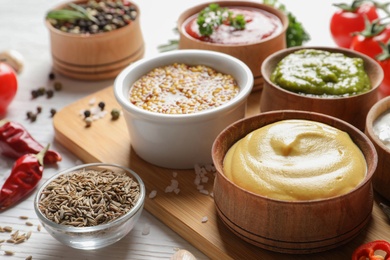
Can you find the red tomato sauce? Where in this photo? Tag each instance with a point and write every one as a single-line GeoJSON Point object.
{"type": "Point", "coordinates": [260, 25]}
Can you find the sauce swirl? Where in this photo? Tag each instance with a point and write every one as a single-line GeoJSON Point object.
{"type": "Point", "coordinates": [260, 25]}
{"type": "Point", "coordinates": [296, 160]}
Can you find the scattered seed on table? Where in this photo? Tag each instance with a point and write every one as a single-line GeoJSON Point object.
{"type": "Point", "coordinates": [88, 121]}
{"type": "Point", "coordinates": [101, 105]}
{"type": "Point", "coordinates": [52, 112]}
{"type": "Point", "coordinates": [29, 257]}
{"type": "Point", "coordinates": [28, 223]}
{"type": "Point", "coordinates": [34, 93]}
{"type": "Point", "coordinates": [39, 109]}
{"type": "Point", "coordinates": [39, 227]}
{"type": "Point", "coordinates": [57, 86]}
{"type": "Point", "coordinates": [7, 229]}
{"type": "Point", "coordinates": [115, 113]}
{"type": "Point", "coordinates": [41, 91]}
{"type": "Point", "coordinates": [23, 217]}
{"type": "Point", "coordinates": [49, 93]}
{"type": "Point", "coordinates": [52, 76]}
{"type": "Point", "coordinates": [33, 117]}
{"type": "Point", "coordinates": [29, 114]}
{"type": "Point", "coordinates": [152, 194]}
{"type": "Point", "coordinates": [87, 113]}
{"type": "Point", "coordinates": [8, 252]}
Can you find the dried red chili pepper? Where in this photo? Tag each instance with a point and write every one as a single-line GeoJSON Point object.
{"type": "Point", "coordinates": [25, 175]}
{"type": "Point", "coordinates": [367, 251]}
{"type": "Point", "coordinates": [15, 141]}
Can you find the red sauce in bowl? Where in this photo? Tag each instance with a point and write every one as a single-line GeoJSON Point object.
{"type": "Point", "coordinates": [260, 25]}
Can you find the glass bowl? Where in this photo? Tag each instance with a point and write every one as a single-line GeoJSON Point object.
{"type": "Point", "coordinates": [88, 236]}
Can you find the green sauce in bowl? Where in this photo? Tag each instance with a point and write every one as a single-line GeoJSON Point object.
{"type": "Point", "coordinates": [322, 73]}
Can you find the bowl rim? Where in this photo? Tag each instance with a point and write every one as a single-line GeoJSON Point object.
{"type": "Point", "coordinates": [345, 51]}
{"type": "Point", "coordinates": [244, 92]}
{"type": "Point", "coordinates": [367, 178]}
{"type": "Point", "coordinates": [71, 229]}
{"type": "Point", "coordinates": [370, 121]}
{"type": "Point", "coordinates": [89, 35]}
{"type": "Point", "coordinates": [183, 18]}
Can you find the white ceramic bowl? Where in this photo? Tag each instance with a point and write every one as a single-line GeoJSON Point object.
{"type": "Point", "coordinates": [180, 141]}
{"type": "Point", "coordinates": [93, 237]}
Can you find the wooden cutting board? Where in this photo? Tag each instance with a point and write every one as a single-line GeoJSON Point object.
{"type": "Point", "coordinates": [108, 141]}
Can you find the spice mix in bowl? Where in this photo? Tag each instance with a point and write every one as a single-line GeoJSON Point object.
{"type": "Point", "coordinates": [90, 206]}
{"type": "Point", "coordinates": [177, 102]}
{"type": "Point", "coordinates": [94, 40]}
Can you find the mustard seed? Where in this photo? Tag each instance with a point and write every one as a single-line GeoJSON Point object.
{"type": "Point", "coordinates": [182, 89]}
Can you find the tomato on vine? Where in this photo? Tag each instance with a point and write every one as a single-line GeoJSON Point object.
{"type": "Point", "coordinates": [384, 61]}
{"type": "Point", "coordinates": [8, 87]}
{"type": "Point", "coordinates": [350, 19]}
{"type": "Point", "coordinates": [368, 40]}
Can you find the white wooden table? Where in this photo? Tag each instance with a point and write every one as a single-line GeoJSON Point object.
{"type": "Point", "coordinates": [22, 28]}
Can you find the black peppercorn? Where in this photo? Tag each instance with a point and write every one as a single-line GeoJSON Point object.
{"type": "Point", "coordinates": [49, 93]}
{"type": "Point", "coordinates": [34, 93]}
{"type": "Point", "coordinates": [52, 76]}
{"type": "Point", "coordinates": [39, 109]}
{"type": "Point", "coordinates": [29, 114]}
{"type": "Point", "coordinates": [87, 113]}
{"type": "Point", "coordinates": [41, 91]}
{"type": "Point", "coordinates": [52, 112]}
{"type": "Point", "coordinates": [57, 86]}
{"type": "Point", "coordinates": [101, 105]}
{"type": "Point", "coordinates": [33, 117]}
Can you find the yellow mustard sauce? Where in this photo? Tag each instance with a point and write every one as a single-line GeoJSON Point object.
{"type": "Point", "coordinates": [296, 160]}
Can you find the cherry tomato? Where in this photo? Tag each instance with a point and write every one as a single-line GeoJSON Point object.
{"type": "Point", "coordinates": [384, 88]}
{"type": "Point", "coordinates": [384, 61]}
{"type": "Point", "coordinates": [350, 19]}
{"type": "Point", "coordinates": [368, 41]}
{"type": "Point", "coordinates": [8, 87]}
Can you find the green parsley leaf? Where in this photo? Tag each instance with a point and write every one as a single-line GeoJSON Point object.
{"type": "Point", "coordinates": [213, 16]}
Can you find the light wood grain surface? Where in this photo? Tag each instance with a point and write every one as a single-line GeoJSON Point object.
{"type": "Point", "coordinates": [108, 141]}
{"type": "Point", "coordinates": [22, 28]}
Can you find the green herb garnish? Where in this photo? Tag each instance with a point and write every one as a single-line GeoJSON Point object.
{"type": "Point", "coordinates": [213, 16]}
{"type": "Point", "coordinates": [296, 35]}
{"type": "Point", "coordinates": [78, 12]}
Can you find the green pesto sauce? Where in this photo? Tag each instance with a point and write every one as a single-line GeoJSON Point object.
{"type": "Point", "coordinates": [317, 72]}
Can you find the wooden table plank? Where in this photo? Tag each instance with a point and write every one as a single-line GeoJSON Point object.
{"type": "Point", "coordinates": [108, 141]}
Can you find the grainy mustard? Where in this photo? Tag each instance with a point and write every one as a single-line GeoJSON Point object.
{"type": "Point", "coordinates": [182, 89]}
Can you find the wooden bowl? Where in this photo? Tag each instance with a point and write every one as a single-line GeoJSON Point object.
{"type": "Point", "coordinates": [295, 227]}
{"type": "Point", "coordinates": [252, 54]}
{"type": "Point", "coordinates": [96, 56]}
{"type": "Point", "coordinates": [352, 109]}
{"type": "Point", "coordinates": [381, 178]}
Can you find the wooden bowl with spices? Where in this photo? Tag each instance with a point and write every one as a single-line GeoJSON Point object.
{"type": "Point", "coordinates": [335, 81]}
{"type": "Point", "coordinates": [90, 206]}
{"type": "Point", "coordinates": [293, 181]}
{"type": "Point", "coordinates": [378, 130]}
{"type": "Point", "coordinates": [96, 39]}
{"type": "Point", "coordinates": [257, 31]}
